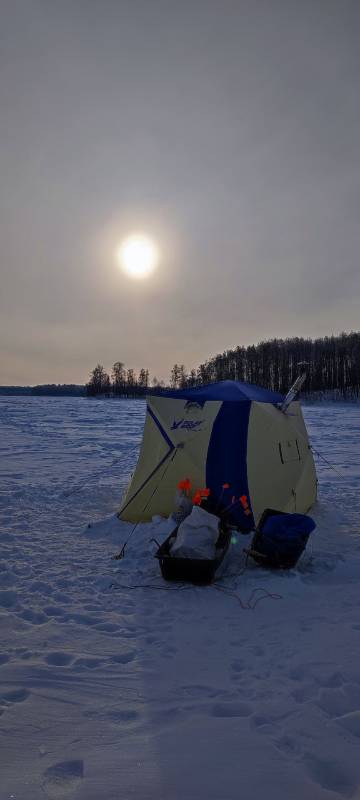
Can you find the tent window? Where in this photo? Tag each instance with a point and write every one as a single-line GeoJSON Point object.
{"type": "Point", "coordinates": [289, 451]}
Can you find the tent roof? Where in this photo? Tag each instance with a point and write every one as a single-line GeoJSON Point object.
{"type": "Point", "coordinates": [234, 391]}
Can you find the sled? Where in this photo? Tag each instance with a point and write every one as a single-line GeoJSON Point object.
{"type": "Point", "coordinates": [280, 549]}
{"type": "Point", "coordinates": [192, 570]}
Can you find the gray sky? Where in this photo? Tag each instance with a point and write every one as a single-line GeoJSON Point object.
{"type": "Point", "coordinates": [228, 131]}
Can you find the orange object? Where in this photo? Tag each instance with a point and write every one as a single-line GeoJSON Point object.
{"type": "Point", "coordinates": [184, 485]}
{"type": "Point", "coordinates": [244, 502]}
{"type": "Point", "coordinates": [226, 486]}
{"type": "Point", "coordinates": [197, 498]}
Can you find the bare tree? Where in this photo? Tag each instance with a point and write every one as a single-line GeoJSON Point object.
{"type": "Point", "coordinates": [118, 377]}
{"type": "Point", "coordinates": [175, 376]}
{"type": "Point", "coordinates": [130, 381]}
{"type": "Point", "coordinates": [182, 377]}
{"type": "Point", "coordinates": [143, 380]}
{"type": "Point", "coordinates": [99, 381]}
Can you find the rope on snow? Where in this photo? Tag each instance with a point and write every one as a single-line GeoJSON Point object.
{"type": "Point", "coordinates": [317, 452]}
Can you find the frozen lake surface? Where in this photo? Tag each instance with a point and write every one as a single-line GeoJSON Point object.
{"type": "Point", "coordinates": [115, 686]}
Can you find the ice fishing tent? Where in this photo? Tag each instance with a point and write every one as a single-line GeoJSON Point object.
{"type": "Point", "coordinates": [224, 433]}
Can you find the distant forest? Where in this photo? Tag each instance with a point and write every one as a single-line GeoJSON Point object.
{"type": "Point", "coordinates": [47, 389]}
{"type": "Point", "coordinates": [121, 383]}
{"type": "Point", "coordinates": [331, 364]}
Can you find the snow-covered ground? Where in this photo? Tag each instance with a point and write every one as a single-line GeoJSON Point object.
{"type": "Point", "coordinates": [113, 692]}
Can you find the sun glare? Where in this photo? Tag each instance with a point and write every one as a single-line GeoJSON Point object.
{"type": "Point", "coordinates": [138, 256]}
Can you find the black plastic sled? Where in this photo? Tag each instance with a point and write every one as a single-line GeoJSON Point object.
{"type": "Point", "coordinates": [192, 570]}
{"type": "Point", "coordinates": [280, 539]}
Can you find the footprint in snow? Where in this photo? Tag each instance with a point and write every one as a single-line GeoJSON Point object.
{"type": "Point", "coordinates": [331, 680]}
{"type": "Point", "coordinates": [85, 619]}
{"type": "Point", "coordinates": [14, 696]}
{"type": "Point", "coordinates": [87, 663]}
{"type": "Point", "coordinates": [8, 598]}
{"type": "Point", "coordinates": [54, 611]}
{"type": "Point", "coordinates": [58, 659]}
{"type": "Point", "coordinates": [7, 537]}
{"type": "Point", "coordinates": [26, 655]}
{"type": "Point", "coordinates": [287, 745]}
{"type": "Point", "coordinates": [199, 691]}
{"type": "Point", "coordinates": [7, 579]}
{"type": "Point", "coordinates": [169, 652]}
{"type": "Point", "coordinates": [232, 709]}
{"type": "Point", "coordinates": [60, 597]}
{"type": "Point", "coordinates": [63, 778]}
{"type": "Point", "coordinates": [150, 639]}
{"type": "Point", "coordinates": [107, 627]}
{"type": "Point", "coordinates": [257, 651]}
{"type": "Point", "coordinates": [304, 693]}
{"type": "Point", "coordinates": [34, 617]}
{"type": "Point", "coordinates": [339, 701]}
{"type": "Point", "coordinates": [124, 658]}
{"type": "Point", "coordinates": [125, 715]}
{"type": "Point", "coordinates": [262, 722]}
{"type": "Point", "coordinates": [41, 586]}
{"type": "Point", "coordinates": [237, 666]}
{"type": "Point", "coordinates": [330, 775]}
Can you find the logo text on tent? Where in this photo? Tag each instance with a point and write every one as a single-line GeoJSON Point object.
{"type": "Point", "coordinates": [187, 424]}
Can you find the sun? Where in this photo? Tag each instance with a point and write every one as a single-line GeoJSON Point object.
{"type": "Point", "coordinates": [138, 256]}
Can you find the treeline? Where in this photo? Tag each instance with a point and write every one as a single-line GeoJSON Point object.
{"type": "Point", "coordinates": [58, 390]}
{"type": "Point", "coordinates": [122, 382]}
{"type": "Point", "coordinates": [330, 363]}
{"type": "Point", "coordinates": [46, 389]}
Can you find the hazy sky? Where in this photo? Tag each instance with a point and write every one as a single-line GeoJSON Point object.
{"type": "Point", "coordinates": [228, 131]}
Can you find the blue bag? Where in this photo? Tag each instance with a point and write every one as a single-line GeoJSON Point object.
{"type": "Point", "coordinates": [281, 538]}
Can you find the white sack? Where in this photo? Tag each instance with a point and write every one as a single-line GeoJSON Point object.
{"type": "Point", "coordinates": [197, 535]}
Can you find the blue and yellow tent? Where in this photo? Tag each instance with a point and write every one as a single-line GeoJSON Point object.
{"type": "Point", "coordinates": [226, 433]}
